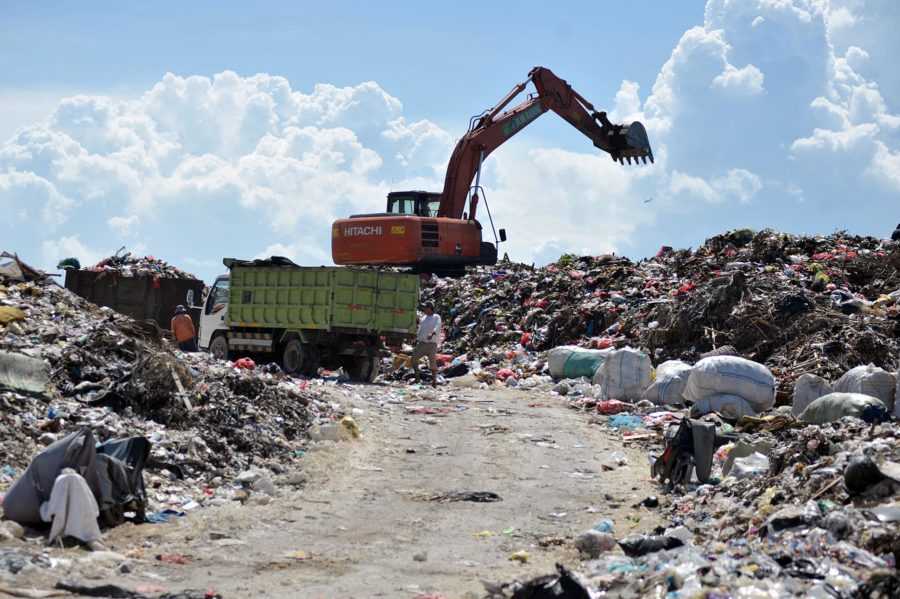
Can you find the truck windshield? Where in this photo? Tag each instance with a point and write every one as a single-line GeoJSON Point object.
{"type": "Point", "coordinates": [218, 296]}
{"type": "Point", "coordinates": [433, 207]}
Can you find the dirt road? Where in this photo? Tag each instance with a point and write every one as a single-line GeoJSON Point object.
{"type": "Point", "coordinates": [364, 524]}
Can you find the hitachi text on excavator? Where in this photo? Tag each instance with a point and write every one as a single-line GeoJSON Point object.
{"type": "Point", "coordinates": [439, 232]}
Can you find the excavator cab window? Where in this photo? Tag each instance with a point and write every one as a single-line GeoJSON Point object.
{"type": "Point", "coordinates": [417, 203]}
{"type": "Point", "coordinates": [402, 206]}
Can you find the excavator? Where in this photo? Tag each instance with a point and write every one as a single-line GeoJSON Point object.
{"type": "Point", "coordinates": [438, 232]}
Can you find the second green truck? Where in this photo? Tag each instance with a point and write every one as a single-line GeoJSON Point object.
{"type": "Point", "coordinates": [309, 317]}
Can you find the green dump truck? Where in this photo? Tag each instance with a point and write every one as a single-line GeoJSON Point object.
{"type": "Point", "coordinates": [307, 317]}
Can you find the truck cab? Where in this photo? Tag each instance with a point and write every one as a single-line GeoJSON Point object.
{"type": "Point", "coordinates": [213, 316]}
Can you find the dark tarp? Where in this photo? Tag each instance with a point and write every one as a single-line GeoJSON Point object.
{"type": "Point", "coordinates": [113, 471]}
{"type": "Point", "coordinates": [272, 261]}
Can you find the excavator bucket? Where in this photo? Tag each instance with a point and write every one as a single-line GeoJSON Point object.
{"type": "Point", "coordinates": [629, 142]}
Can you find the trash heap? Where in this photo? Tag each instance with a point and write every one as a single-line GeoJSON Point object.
{"type": "Point", "coordinates": [126, 264]}
{"type": "Point", "coordinates": [806, 511]}
{"type": "Point", "coordinates": [760, 373]}
{"type": "Point", "coordinates": [66, 364]}
{"type": "Point", "coordinates": [818, 305]}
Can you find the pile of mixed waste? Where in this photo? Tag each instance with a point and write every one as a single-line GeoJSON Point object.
{"type": "Point", "coordinates": [126, 264]}
{"type": "Point", "coordinates": [67, 364]}
{"type": "Point", "coordinates": [785, 510]}
{"type": "Point", "coordinates": [820, 305]}
{"type": "Point", "coordinates": [759, 372]}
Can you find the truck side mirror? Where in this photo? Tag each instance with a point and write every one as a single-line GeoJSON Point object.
{"type": "Point", "coordinates": [189, 300]}
{"type": "Point", "coordinates": [502, 235]}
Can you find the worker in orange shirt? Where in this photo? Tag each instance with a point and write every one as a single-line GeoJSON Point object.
{"type": "Point", "coordinates": [183, 330]}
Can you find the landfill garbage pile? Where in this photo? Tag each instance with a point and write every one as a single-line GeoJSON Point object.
{"type": "Point", "coordinates": [66, 364]}
{"type": "Point", "coordinates": [818, 305]}
{"type": "Point", "coordinates": [128, 265]}
{"type": "Point", "coordinates": [790, 511]}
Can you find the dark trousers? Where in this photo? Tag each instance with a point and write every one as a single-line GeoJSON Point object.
{"type": "Point", "coordinates": [189, 346]}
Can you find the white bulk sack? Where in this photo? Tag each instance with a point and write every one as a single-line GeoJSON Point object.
{"type": "Point", "coordinates": [572, 362]}
{"type": "Point", "coordinates": [807, 389]}
{"type": "Point", "coordinates": [869, 380]}
{"type": "Point", "coordinates": [624, 375]}
{"type": "Point", "coordinates": [729, 406]}
{"type": "Point", "coordinates": [668, 387]}
{"type": "Point", "coordinates": [731, 375]}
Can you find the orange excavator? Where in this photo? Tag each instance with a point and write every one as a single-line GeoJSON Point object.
{"type": "Point", "coordinates": [438, 232]}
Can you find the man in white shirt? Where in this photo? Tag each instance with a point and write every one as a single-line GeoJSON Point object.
{"type": "Point", "coordinates": [427, 341]}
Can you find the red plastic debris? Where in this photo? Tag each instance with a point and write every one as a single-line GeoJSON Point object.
{"type": "Point", "coordinates": [443, 359]}
{"type": "Point", "coordinates": [601, 342]}
{"type": "Point", "coordinates": [245, 363]}
{"type": "Point", "coordinates": [685, 288]}
{"type": "Point", "coordinates": [525, 340]}
{"type": "Point", "coordinates": [612, 406]}
{"type": "Point", "coordinates": [505, 373]}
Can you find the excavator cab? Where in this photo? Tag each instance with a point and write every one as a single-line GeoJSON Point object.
{"type": "Point", "coordinates": [414, 203]}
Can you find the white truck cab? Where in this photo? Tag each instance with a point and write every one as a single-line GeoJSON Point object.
{"type": "Point", "coordinates": [212, 317]}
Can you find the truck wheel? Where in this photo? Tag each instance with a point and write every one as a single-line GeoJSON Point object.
{"type": "Point", "coordinates": [293, 356]}
{"type": "Point", "coordinates": [218, 347]}
{"type": "Point", "coordinates": [364, 369]}
{"type": "Point", "coordinates": [312, 359]}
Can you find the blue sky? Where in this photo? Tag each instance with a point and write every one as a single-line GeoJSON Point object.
{"type": "Point", "coordinates": [224, 129]}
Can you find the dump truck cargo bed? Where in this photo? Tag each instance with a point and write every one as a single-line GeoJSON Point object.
{"type": "Point", "coordinates": [285, 296]}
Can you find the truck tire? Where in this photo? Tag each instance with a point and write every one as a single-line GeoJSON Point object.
{"type": "Point", "coordinates": [293, 357]}
{"type": "Point", "coordinates": [312, 359]}
{"type": "Point", "coordinates": [218, 347]}
{"type": "Point", "coordinates": [364, 369]}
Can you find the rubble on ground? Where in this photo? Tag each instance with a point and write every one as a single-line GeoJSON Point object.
{"type": "Point", "coordinates": [799, 500]}
{"type": "Point", "coordinates": [78, 365]}
{"type": "Point", "coordinates": [819, 305]}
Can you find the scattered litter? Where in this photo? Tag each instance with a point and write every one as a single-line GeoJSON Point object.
{"type": "Point", "coordinates": [473, 496]}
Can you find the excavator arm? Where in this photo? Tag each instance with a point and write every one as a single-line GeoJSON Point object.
{"type": "Point", "coordinates": [491, 129]}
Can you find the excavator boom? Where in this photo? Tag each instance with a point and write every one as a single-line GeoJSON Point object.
{"type": "Point", "coordinates": [494, 127]}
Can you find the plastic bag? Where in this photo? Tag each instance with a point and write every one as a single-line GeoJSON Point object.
{"type": "Point", "coordinates": [755, 464]}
